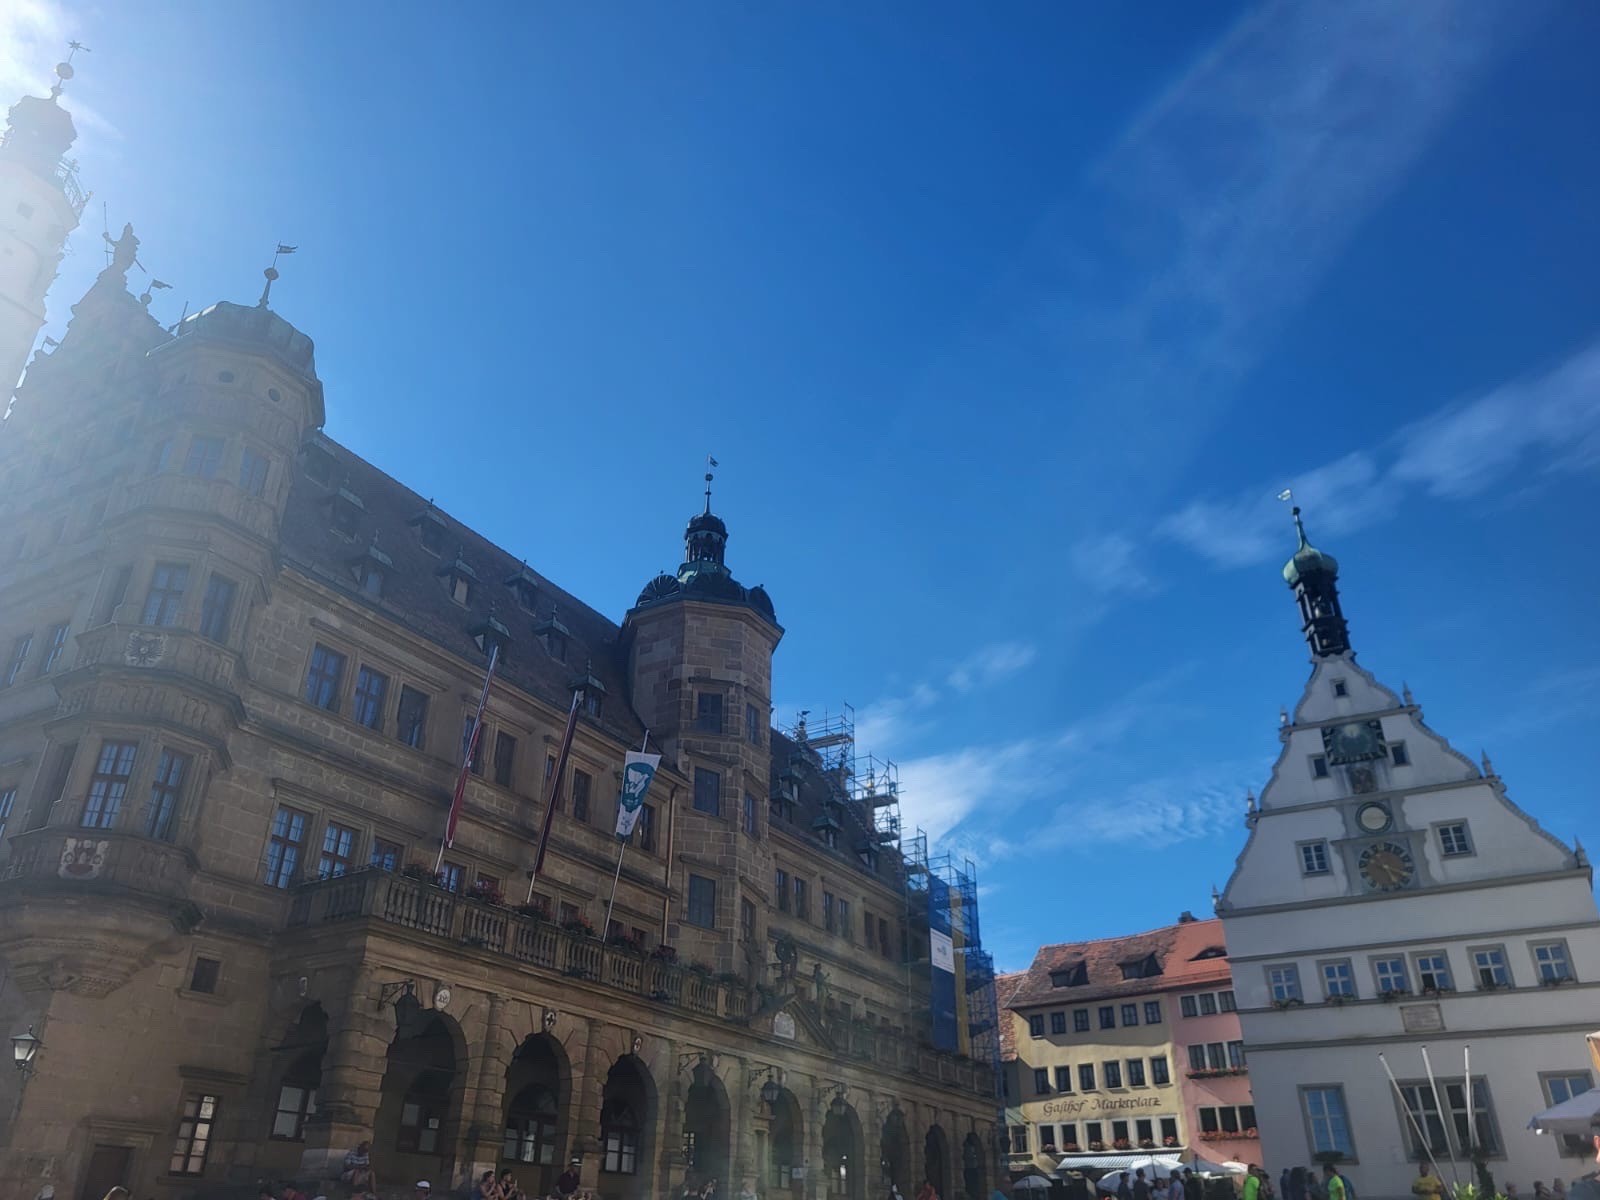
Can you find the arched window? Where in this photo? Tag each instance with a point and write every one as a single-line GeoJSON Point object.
{"type": "Point", "coordinates": [619, 1138]}
{"type": "Point", "coordinates": [531, 1127]}
{"type": "Point", "coordinates": [422, 1113]}
{"type": "Point", "coordinates": [297, 1097]}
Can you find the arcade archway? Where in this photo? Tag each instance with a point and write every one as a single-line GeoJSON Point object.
{"type": "Point", "coordinates": [896, 1147]}
{"type": "Point", "coordinates": [415, 1125]}
{"type": "Point", "coordinates": [705, 1130]}
{"type": "Point", "coordinates": [936, 1161]}
{"type": "Point", "coordinates": [972, 1172]}
{"type": "Point", "coordinates": [843, 1151]}
{"type": "Point", "coordinates": [627, 1113]}
{"type": "Point", "coordinates": [784, 1148]}
{"type": "Point", "coordinates": [537, 1085]}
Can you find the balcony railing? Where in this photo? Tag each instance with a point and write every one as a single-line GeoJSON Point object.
{"type": "Point", "coordinates": [169, 648]}
{"type": "Point", "coordinates": [99, 858]}
{"type": "Point", "coordinates": [536, 942]}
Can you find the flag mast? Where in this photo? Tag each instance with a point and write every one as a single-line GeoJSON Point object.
{"type": "Point", "coordinates": [554, 800]}
{"type": "Point", "coordinates": [458, 797]}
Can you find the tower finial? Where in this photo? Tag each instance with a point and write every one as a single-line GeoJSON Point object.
{"type": "Point", "coordinates": [272, 273]}
{"type": "Point", "coordinates": [64, 70]}
{"type": "Point", "coordinates": [710, 463]}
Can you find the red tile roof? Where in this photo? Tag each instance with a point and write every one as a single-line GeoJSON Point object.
{"type": "Point", "coordinates": [1005, 986]}
{"type": "Point", "coordinates": [1177, 950]}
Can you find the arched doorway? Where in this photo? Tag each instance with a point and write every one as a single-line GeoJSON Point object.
{"type": "Point", "coordinates": [843, 1171]}
{"type": "Point", "coordinates": [896, 1147]}
{"type": "Point", "coordinates": [537, 1083]}
{"type": "Point", "coordinates": [780, 1147]}
{"type": "Point", "coordinates": [415, 1125]}
{"type": "Point", "coordinates": [705, 1130]}
{"type": "Point", "coordinates": [627, 1112]}
{"type": "Point", "coordinates": [299, 1059]}
{"type": "Point", "coordinates": [972, 1173]}
{"type": "Point", "coordinates": [936, 1161]}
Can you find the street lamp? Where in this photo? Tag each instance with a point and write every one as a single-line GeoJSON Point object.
{"type": "Point", "coordinates": [24, 1049]}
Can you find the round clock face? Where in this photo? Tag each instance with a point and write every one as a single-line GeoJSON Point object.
{"type": "Point", "coordinates": [1358, 741]}
{"type": "Point", "coordinates": [1387, 866]}
{"type": "Point", "coordinates": [1373, 818]}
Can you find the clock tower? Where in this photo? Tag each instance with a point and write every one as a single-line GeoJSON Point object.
{"type": "Point", "coordinates": [1391, 894]}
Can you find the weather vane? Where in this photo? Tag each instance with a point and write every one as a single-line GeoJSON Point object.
{"type": "Point", "coordinates": [272, 272]}
{"type": "Point", "coordinates": [710, 463]}
{"type": "Point", "coordinates": [64, 70]}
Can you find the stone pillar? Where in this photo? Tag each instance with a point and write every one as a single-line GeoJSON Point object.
{"type": "Point", "coordinates": [482, 1133]}
{"type": "Point", "coordinates": [871, 1165]}
{"type": "Point", "coordinates": [352, 1078]}
{"type": "Point", "coordinates": [583, 1133]}
{"type": "Point", "coordinates": [815, 1114]}
{"type": "Point", "coordinates": [741, 1116]}
{"type": "Point", "coordinates": [666, 1127]}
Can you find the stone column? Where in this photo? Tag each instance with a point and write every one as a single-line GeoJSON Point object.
{"type": "Point", "coordinates": [871, 1165]}
{"type": "Point", "coordinates": [741, 1115]}
{"type": "Point", "coordinates": [352, 1078]}
{"type": "Point", "coordinates": [815, 1114]}
{"type": "Point", "coordinates": [666, 1128]}
{"type": "Point", "coordinates": [583, 1126]}
{"type": "Point", "coordinates": [478, 1147]}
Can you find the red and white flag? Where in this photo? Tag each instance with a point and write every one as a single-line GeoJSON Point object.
{"type": "Point", "coordinates": [470, 749]}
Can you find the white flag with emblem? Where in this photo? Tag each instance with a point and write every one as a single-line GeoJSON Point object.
{"type": "Point", "coordinates": [637, 772]}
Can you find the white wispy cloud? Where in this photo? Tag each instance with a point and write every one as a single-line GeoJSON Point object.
{"type": "Point", "coordinates": [33, 38]}
{"type": "Point", "coordinates": [990, 665]}
{"type": "Point", "coordinates": [888, 724]}
{"type": "Point", "coordinates": [1541, 426]}
{"type": "Point", "coordinates": [1108, 564]}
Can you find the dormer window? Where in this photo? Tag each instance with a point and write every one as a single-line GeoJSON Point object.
{"type": "Point", "coordinates": [554, 635]}
{"type": "Point", "coordinates": [319, 465]}
{"type": "Point", "coordinates": [431, 529]}
{"type": "Point", "coordinates": [1211, 952]}
{"type": "Point", "coordinates": [371, 569]}
{"type": "Point", "coordinates": [371, 579]}
{"type": "Point", "coordinates": [868, 854]}
{"type": "Point", "coordinates": [345, 512]}
{"type": "Point", "coordinates": [594, 692]}
{"type": "Point", "coordinates": [459, 579]}
{"type": "Point", "coordinates": [1141, 968]}
{"type": "Point", "coordinates": [524, 589]}
{"type": "Point", "coordinates": [1075, 975]}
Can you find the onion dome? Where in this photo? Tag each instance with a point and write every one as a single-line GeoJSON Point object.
{"type": "Point", "coordinates": [1308, 560]}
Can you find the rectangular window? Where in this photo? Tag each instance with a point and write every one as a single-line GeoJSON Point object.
{"type": "Point", "coordinates": [1225, 1001]}
{"type": "Point", "coordinates": [284, 845]}
{"type": "Point", "coordinates": [1086, 1077]}
{"type": "Point", "coordinates": [1552, 961]}
{"type": "Point", "coordinates": [1208, 1004]}
{"type": "Point", "coordinates": [702, 902]}
{"type": "Point", "coordinates": [1135, 1072]}
{"type": "Point", "coordinates": [1159, 1075]}
{"type": "Point", "coordinates": [1338, 979]}
{"type": "Point", "coordinates": [845, 928]}
{"type": "Point", "coordinates": [1559, 1089]}
{"type": "Point", "coordinates": [1208, 1120]}
{"type": "Point", "coordinates": [1063, 1079]}
{"type": "Point", "coordinates": [582, 785]}
{"type": "Point", "coordinates": [780, 892]}
{"type": "Point", "coordinates": [8, 800]}
{"type": "Point", "coordinates": [1319, 767]}
{"type": "Point", "coordinates": [189, 1148]}
{"type": "Point", "coordinates": [372, 688]}
{"type": "Point", "coordinates": [204, 457]}
{"type": "Point", "coordinates": [1313, 858]}
{"type": "Point", "coordinates": [108, 786]}
{"type": "Point", "coordinates": [1144, 1131]}
{"type": "Point", "coordinates": [296, 1102]}
{"type": "Point", "coordinates": [55, 647]}
{"type": "Point", "coordinates": [1080, 1020]}
{"type": "Point", "coordinates": [802, 906]}
{"type": "Point", "coordinates": [1327, 1120]}
{"type": "Point", "coordinates": [868, 926]}
{"type": "Point", "coordinates": [1036, 1025]}
{"type": "Point", "coordinates": [619, 1150]}
{"type": "Point", "coordinates": [1130, 1014]}
{"type": "Point", "coordinates": [883, 940]}
{"type": "Point", "coordinates": [752, 724]}
{"type": "Point", "coordinates": [1119, 1134]}
{"type": "Point", "coordinates": [1152, 1012]}
{"type": "Point", "coordinates": [216, 607]}
{"type": "Point", "coordinates": [338, 849]}
{"type": "Point", "coordinates": [645, 831]}
{"type": "Point", "coordinates": [412, 721]}
{"type": "Point", "coordinates": [828, 918]}
{"type": "Point", "coordinates": [1392, 976]}
{"type": "Point", "coordinates": [1197, 1057]}
{"type": "Point", "coordinates": [1094, 1132]}
{"type": "Point", "coordinates": [168, 582]}
{"type": "Point", "coordinates": [1216, 1059]}
{"type": "Point", "coordinates": [1111, 1072]}
{"type": "Point", "coordinates": [1058, 1023]}
{"type": "Point", "coordinates": [747, 920]}
{"type": "Point", "coordinates": [324, 677]}
{"type": "Point", "coordinates": [752, 819]}
{"type": "Point", "coordinates": [1454, 841]}
{"type": "Point", "coordinates": [117, 593]}
{"type": "Point", "coordinates": [1236, 1055]}
{"type": "Point", "coordinates": [166, 790]}
{"type": "Point", "coordinates": [708, 712]}
{"type": "Point", "coordinates": [453, 875]}
{"type": "Point", "coordinates": [1284, 982]}
{"type": "Point", "coordinates": [505, 756]}
{"type": "Point", "coordinates": [1047, 1137]}
{"type": "Point", "coordinates": [707, 791]}
{"type": "Point", "coordinates": [1189, 1006]}
{"type": "Point", "coordinates": [19, 656]}
{"type": "Point", "coordinates": [203, 978]}
{"type": "Point", "coordinates": [1169, 1131]}
{"type": "Point", "coordinates": [385, 855]}
{"type": "Point", "coordinates": [1019, 1138]}
{"type": "Point", "coordinates": [1490, 966]}
{"type": "Point", "coordinates": [1419, 1101]}
{"type": "Point", "coordinates": [1229, 1118]}
{"type": "Point", "coordinates": [1399, 755]}
{"type": "Point", "coordinates": [1433, 971]}
{"type": "Point", "coordinates": [1108, 1017]}
{"type": "Point", "coordinates": [253, 472]}
{"type": "Point", "coordinates": [161, 456]}
{"type": "Point", "coordinates": [1041, 1081]}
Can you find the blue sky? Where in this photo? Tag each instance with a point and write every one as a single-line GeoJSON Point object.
{"type": "Point", "coordinates": [1006, 322]}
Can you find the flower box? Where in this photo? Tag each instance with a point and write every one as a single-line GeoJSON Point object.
{"type": "Point", "coordinates": [1393, 994]}
{"type": "Point", "coordinates": [486, 893]}
{"type": "Point", "coordinates": [534, 910]}
{"type": "Point", "coordinates": [579, 926]}
{"type": "Point", "coordinates": [1287, 1002]}
{"type": "Point", "coordinates": [1147, 1144]}
{"type": "Point", "coordinates": [1555, 981]}
{"type": "Point", "coordinates": [1097, 1146]}
{"type": "Point", "coordinates": [1121, 1144]}
{"type": "Point", "coordinates": [664, 954]}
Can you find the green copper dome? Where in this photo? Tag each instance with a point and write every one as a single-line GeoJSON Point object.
{"type": "Point", "coordinates": [1307, 560]}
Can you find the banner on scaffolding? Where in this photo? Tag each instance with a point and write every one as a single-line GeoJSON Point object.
{"type": "Point", "coordinates": [942, 960]}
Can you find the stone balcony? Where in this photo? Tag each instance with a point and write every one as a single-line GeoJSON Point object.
{"type": "Point", "coordinates": [119, 644]}
{"type": "Point", "coordinates": [217, 497]}
{"type": "Point", "coordinates": [537, 943]}
{"type": "Point", "coordinates": [108, 860]}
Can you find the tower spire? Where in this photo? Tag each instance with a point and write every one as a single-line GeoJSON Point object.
{"type": "Point", "coordinates": [1313, 577]}
{"type": "Point", "coordinates": [710, 464]}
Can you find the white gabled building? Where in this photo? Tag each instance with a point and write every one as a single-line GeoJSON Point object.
{"type": "Point", "coordinates": [1391, 897]}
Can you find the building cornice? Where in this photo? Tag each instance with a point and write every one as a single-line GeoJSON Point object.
{"type": "Point", "coordinates": [1468, 885]}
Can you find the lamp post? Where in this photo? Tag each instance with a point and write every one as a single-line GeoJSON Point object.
{"type": "Point", "coordinates": [24, 1049]}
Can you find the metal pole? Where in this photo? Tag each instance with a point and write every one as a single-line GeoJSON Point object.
{"type": "Point", "coordinates": [1472, 1132]}
{"type": "Point", "coordinates": [1422, 1136]}
{"type": "Point", "coordinates": [1444, 1118]}
{"type": "Point", "coordinates": [622, 846]}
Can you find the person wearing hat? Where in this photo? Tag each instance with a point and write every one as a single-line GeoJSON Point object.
{"type": "Point", "coordinates": [567, 1181]}
{"type": "Point", "coordinates": [424, 1190]}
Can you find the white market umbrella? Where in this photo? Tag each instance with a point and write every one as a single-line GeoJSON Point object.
{"type": "Point", "coordinates": [1154, 1168]}
{"type": "Point", "coordinates": [1031, 1183]}
{"type": "Point", "coordinates": [1204, 1166]}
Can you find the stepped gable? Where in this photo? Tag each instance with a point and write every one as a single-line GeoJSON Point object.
{"type": "Point", "coordinates": [1181, 953]}
{"type": "Point", "coordinates": [415, 595]}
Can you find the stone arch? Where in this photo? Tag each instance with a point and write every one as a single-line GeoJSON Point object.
{"type": "Point", "coordinates": [536, 1110]}
{"type": "Point", "coordinates": [844, 1167]}
{"type": "Point", "coordinates": [706, 1128]}
{"type": "Point", "coordinates": [420, 1097]}
{"type": "Point", "coordinates": [297, 1072]}
{"type": "Point", "coordinates": [627, 1121]}
{"type": "Point", "coordinates": [972, 1172]}
{"type": "Point", "coordinates": [785, 1146]}
{"type": "Point", "coordinates": [936, 1160]}
{"type": "Point", "coordinates": [896, 1152]}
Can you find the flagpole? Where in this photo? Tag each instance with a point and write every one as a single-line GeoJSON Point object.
{"type": "Point", "coordinates": [554, 800]}
{"type": "Point", "coordinates": [459, 795]}
{"type": "Point", "coordinates": [1444, 1118]}
{"type": "Point", "coordinates": [1422, 1137]}
{"type": "Point", "coordinates": [1472, 1119]}
{"type": "Point", "coordinates": [622, 846]}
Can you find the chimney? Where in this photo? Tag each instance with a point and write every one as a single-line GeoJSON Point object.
{"type": "Point", "coordinates": [1185, 917]}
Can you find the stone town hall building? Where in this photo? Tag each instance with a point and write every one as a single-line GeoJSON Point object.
{"type": "Point", "coordinates": [237, 660]}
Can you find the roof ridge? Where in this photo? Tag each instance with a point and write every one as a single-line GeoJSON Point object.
{"type": "Point", "coordinates": [1124, 937]}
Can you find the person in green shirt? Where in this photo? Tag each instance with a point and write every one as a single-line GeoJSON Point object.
{"type": "Point", "coordinates": [1252, 1184]}
{"type": "Point", "coordinates": [1335, 1185]}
